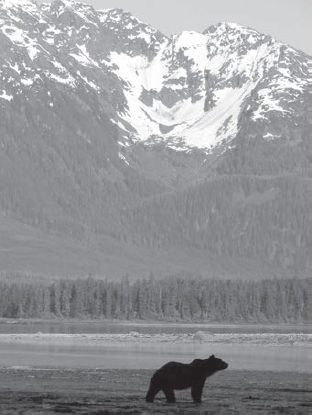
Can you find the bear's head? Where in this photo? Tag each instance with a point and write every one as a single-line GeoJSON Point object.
{"type": "Point", "coordinates": [215, 364]}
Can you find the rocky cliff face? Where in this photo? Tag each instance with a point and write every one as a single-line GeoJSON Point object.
{"type": "Point", "coordinates": [101, 113]}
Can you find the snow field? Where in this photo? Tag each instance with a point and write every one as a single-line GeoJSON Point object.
{"type": "Point", "coordinates": [188, 120]}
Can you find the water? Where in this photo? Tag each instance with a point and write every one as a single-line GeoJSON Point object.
{"type": "Point", "coordinates": [239, 357]}
{"type": "Point", "coordinates": [123, 355]}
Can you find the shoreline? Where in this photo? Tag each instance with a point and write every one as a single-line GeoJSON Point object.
{"type": "Point", "coordinates": [153, 323]}
{"type": "Point", "coordinates": [123, 391]}
{"type": "Point", "coordinates": [199, 337]}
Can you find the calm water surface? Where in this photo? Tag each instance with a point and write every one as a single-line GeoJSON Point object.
{"type": "Point", "coordinates": [150, 356]}
{"type": "Point", "coordinates": [276, 358]}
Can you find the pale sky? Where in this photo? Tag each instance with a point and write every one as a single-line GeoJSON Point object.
{"type": "Point", "coordinates": [287, 20]}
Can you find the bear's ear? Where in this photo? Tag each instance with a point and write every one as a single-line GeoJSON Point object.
{"type": "Point", "coordinates": [212, 357]}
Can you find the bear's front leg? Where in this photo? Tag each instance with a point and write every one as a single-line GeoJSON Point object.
{"type": "Point", "coordinates": [152, 392]}
{"type": "Point", "coordinates": [197, 391]}
{"type": "Point", "coordinates": [169, 393]}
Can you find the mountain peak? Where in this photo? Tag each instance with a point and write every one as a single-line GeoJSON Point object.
{"type": "Point", "coordinates": [234, 26]}
{"type": "Point", "coordinates": [230, 27]}
{"type": "Point", "coordinates": [122, 20]}
{"type": "Point", "coordinates": [68, 3]}
{"type": "Point", "coordinates": [24, 4]}
{"type": "Point", "coordinates": [188, 91]}
{"type": "Point", "coordinates": [230, 34]}
{"type": "Point", "coordinates": [12, 3]}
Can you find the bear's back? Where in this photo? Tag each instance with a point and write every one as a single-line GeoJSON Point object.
{"type": "Point", "coordinates": [178, 375]}
{"type": "Point", "coordinates": [174, 368]}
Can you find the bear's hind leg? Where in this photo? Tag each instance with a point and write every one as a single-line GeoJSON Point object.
{"type": "Point", "coordinates": [152, 392]}
{"type": "Point", "coordinates": [169, 393]}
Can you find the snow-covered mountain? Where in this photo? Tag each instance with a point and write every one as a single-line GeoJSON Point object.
{"type": "Point", "coordinates": [189, 91]}
{"type": "Point", "coordinates": [193, 92]}
{"type": "Point", "coordinates": [101, 113]}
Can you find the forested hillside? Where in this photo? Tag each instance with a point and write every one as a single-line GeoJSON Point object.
{"type": "Point", "coordinates": [169, 299]}
{"type": "Point", "coordinates": [261, 217]}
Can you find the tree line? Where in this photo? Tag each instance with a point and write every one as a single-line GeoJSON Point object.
{"type": "Point", "coordinates": [168, 299]}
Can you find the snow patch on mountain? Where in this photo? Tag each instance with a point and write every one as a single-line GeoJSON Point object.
{"type": "Point", "coordinates": [83, 57]}
{"type": "Point", "coordinates": [187, 121]}
{"type": "Point", "coordinates": [138, 72]}
{"type": "Point", "coordinates": [220, 123]}
{"type": "Point", "coordinates": [66, 80]}
{"type": "Point", "coordinates": [19, 37]}
{"type": "Point", "coordinates": [5, 96]}
{"type": "Point", "coordinates": [27, 5]}
{"type": "Point", "coordinates": [268, 103]}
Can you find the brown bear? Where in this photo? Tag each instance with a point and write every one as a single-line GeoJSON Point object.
{"type": "Point", "coordinates": [175, 375]}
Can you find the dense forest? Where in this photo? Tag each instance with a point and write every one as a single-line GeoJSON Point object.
{"type": "Point", "coordinates": [171, 299]}
{"type": "Point", "coordinates": [260, 217]}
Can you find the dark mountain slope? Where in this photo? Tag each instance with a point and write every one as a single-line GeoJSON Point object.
{"type": "Point", "coordinates": [261, 218]}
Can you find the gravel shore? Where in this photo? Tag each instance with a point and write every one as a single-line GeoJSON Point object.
{"type": "Point", "coordinates": [43, 391]}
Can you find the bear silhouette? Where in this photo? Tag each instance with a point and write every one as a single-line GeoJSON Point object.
{"type": "Point", "coordinates": [177, 376]}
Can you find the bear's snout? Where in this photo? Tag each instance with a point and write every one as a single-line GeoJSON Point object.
{"type": "Point", "coordinates": [223, 365]}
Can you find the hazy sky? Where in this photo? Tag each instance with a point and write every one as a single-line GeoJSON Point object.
{"type": "Point", "coordinates": [287, 20]}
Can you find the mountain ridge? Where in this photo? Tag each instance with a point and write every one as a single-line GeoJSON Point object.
{"type": "Point", "coordinates": [186, 99]}
{"type": "Point", "coordinates": [102, 117]}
